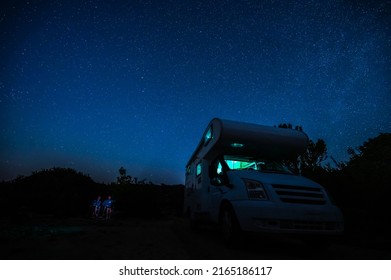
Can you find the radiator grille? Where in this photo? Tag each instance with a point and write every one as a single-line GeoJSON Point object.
{"type": "Point", "coordinates": [300, 194]}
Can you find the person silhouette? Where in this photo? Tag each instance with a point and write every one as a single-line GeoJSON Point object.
{"type": "Point", "coordinates": [96, 204]}
{"type": "Point", "coordinates": [107, 207]}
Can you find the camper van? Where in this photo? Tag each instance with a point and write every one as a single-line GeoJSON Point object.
{"type": "Point", "coordinates": [237, 178]}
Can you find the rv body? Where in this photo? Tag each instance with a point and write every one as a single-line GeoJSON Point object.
{"type": "Point", "coordinates": [235, 177]}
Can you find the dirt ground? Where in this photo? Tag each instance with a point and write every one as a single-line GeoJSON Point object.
{"type": "Point", "coordinates": [170, 238]}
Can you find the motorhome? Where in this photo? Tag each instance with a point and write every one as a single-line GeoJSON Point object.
{"type": "Point", "coordinates": [237, 178]}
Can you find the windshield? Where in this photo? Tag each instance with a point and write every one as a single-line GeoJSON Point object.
{"type": "Point", "coordinates": [262, 165]}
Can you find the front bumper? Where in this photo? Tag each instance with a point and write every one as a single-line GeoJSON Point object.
{"type": "Point", "coordinates": [268, 216]}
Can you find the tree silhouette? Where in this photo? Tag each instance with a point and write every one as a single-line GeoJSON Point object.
{"type": "Point", "coordinates": [315, 154]}
{"type": "Point", "coordinates": [312, 158]}
{"type": "Point", "coordinates": [123, 178]}
{"type": "Point", "coordinates": [122, 171]}
{"type": "Point", "coordinates": [366, 178]}
{"type": "Point", "coordinates": [372, 160]}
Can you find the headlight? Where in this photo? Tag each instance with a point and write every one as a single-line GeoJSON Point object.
{"type": "Point", "coordinates": [255, 190]}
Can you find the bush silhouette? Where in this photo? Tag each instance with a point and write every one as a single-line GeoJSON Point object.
{"type": "Point", "coordinates": [64, 192]}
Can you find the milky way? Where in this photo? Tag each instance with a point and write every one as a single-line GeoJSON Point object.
{"type": "Point", "coordinates": [96, 85]}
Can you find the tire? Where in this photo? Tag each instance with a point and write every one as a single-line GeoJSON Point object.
{"type": "Point", "coordinates": [229, 225]}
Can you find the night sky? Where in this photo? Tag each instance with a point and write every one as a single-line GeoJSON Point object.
{"type": "Point", "coordinates": [96, 85]}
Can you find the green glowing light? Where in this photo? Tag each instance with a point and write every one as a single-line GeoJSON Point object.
{"type": "Point", "coordinates": [237, 145]}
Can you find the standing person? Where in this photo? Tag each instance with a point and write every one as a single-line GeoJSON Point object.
{"type": "Point", "coordinates": [107, 207]}
{"type": "Point", "coordinates": [96, 204]}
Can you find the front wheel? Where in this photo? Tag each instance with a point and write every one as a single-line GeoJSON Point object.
{"type": "Point", "coordinates": [229, 225]}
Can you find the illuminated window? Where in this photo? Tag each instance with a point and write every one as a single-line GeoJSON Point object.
{"type": "Point", "coordinates": [239, 164]}
{"type": "Point", "coordinates": [199, 169]}
{"type": "Point", "coordinates": [219, 169]}
{"type": "Point", "coordinates": [237, 145]}
{"type": "Point", "coordinates": [208, 135]}
{"type": "Point", "coordinates": [188, 170]}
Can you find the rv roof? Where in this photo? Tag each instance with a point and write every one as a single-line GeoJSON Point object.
{"type": "Point", "coordinates": [239, 138]}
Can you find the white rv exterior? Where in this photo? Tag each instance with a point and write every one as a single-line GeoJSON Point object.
{"type": "Point", "coordinates": [235, 178]}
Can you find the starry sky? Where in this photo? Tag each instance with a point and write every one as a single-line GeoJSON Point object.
{"type": "Point", "coordinates": [96, 85]}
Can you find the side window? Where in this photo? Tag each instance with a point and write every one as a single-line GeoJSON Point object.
{"type": "Point", "coordinates": [216, 173]}
{"type": "Point", "coordinates": [219, 169]}
{"type": "Point", "coordinates": [208, 135]}
{"type": "Point", "coordinates": [199, 169]}
{"type": "Point", "coordinates": [215, 169]}
{"type": "Point", "coordinates": [188, 169]}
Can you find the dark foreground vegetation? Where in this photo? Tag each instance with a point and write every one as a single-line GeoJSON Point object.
{"type": "Point", "coordinates": [40, 208]}
{"type": "Point", "coordinates": [65, 193]}
{"type": "Point", "coordinates": [361, 187]}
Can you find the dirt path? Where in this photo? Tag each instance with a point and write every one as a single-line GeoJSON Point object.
{"type": "Point", "coordinates": [160, 239]}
